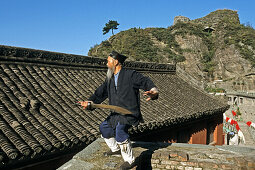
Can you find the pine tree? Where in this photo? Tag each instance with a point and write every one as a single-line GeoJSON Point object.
{"type": "Point", "coordinates": [110, 26]}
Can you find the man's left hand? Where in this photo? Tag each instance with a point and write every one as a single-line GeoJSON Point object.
{"type": "Point", "coordinates": [152, 94]}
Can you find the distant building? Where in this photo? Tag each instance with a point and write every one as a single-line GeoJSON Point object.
{"type": "Point", "coordinates": [41, 126]}
{"type": "Point", "coordinates": [179, 18]}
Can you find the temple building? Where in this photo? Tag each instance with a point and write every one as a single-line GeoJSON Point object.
{"type": "Point", "coordinates": [41, 125]}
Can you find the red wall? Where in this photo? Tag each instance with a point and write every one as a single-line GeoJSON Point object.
{"type": "Point", "coordinates": [207, 131]}
{"type": "Point", "coordinates": [199, 133]}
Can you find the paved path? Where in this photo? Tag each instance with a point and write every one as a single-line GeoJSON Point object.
{"type": "Point", "coordinates": [248, 138]}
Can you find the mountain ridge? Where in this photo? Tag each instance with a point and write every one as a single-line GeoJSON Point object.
{"type": "Point", "coordinates": [214, 47]}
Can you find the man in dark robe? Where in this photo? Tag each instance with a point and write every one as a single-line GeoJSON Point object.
{"type": "Point", "coordinates": [121, 87]}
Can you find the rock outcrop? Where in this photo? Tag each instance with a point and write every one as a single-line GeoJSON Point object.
{"type": "Point", "coordinates": [214, 47]}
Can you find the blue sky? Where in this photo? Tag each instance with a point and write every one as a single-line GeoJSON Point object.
{"type": "Point", "coordinates": [73, 26]}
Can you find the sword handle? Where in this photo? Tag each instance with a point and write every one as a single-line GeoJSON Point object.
{"type": "Point", "coordinates": [89, 107]}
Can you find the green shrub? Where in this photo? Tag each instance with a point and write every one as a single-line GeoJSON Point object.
{"type": "Point", "coordinates": [239, 33]}
{"type": "Point", "coordinates": [215, 90]}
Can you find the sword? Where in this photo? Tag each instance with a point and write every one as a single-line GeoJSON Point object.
{"type": "Point", "coordinates": [117, 109]}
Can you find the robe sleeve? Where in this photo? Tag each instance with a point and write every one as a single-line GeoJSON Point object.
{"type": "Point", "coordinates": [142, 82]}
{"type": "Point", "coordinates": [100, 94]}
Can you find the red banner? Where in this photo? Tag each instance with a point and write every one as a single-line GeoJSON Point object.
{"type": "Point", "coordinates": [234, 113]}
{"type": "Point", "coordinates": [232, 122]}
{"type": "Point", "coordinates": [237, 127]}
{"type": "Point", "coordinates": [248, 123]}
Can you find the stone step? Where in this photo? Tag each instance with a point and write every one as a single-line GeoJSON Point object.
{"type": "Point", "coordinates": [248, 138]}
{"type": "Point", "coordinates": [244, 128]}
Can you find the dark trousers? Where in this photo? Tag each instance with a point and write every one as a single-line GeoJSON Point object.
{"type": "Point", "coordinates": [119, 132]}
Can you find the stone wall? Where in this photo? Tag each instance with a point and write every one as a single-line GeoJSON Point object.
{"type": "Point", "coordinates": [157, 156]}
{"type": "Point", "coordinates": [198, 159]}
{"type": "Point", "coordinates": [252, 132]}
{"type": "Point", "coordinates": [243, 83]}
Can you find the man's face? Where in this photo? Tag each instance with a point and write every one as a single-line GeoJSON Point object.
{"type": "Point", "coordinates": [110, 62]}
{"type": "Point", "coordinates": [111, 67]}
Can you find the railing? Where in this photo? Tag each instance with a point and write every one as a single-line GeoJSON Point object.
{"type": "Point", "coordinates": [241, 94]}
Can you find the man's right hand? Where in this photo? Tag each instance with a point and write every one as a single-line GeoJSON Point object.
{"type": "Point", "coordinates": [84, 104]}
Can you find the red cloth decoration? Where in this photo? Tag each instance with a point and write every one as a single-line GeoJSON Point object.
{"type": "Point", "coordinates": [235, 122]}
{"type": "Point", "coordinates": [227, 118]}
{"type": "Point", "coordinates": [248, 123]}
{"type": "Point", "coordinates": [234, 113]}
{"type": "Point", "coordinates": [232, 122]}
{"type": "Point", "coordinates": [237, 127]}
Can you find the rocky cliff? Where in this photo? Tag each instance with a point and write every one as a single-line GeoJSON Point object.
{"type": "Point", "coordinates": [210, 48]}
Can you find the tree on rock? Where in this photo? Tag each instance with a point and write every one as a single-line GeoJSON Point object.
{"type": "Point", "coordinates": [110, 26]}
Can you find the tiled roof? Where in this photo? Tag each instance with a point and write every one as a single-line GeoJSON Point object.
{"type": "Point", "coordinates": [39, 91]}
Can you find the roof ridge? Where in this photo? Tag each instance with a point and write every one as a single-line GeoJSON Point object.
{"type": "Point", "coordinates": [27, 55]}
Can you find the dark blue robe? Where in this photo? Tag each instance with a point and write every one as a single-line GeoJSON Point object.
{"type": "Point", "coordinates": [126, 95]}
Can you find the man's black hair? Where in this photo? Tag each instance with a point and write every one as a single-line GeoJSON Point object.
{"type": "Point", "coordinates": [121, 58]}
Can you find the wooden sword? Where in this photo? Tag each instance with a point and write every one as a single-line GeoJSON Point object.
{"type": "Point", "coordinates": [117, 109]}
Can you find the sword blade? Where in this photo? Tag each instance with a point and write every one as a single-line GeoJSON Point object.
{"type": "Point", "coordinates": [112, 107]}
